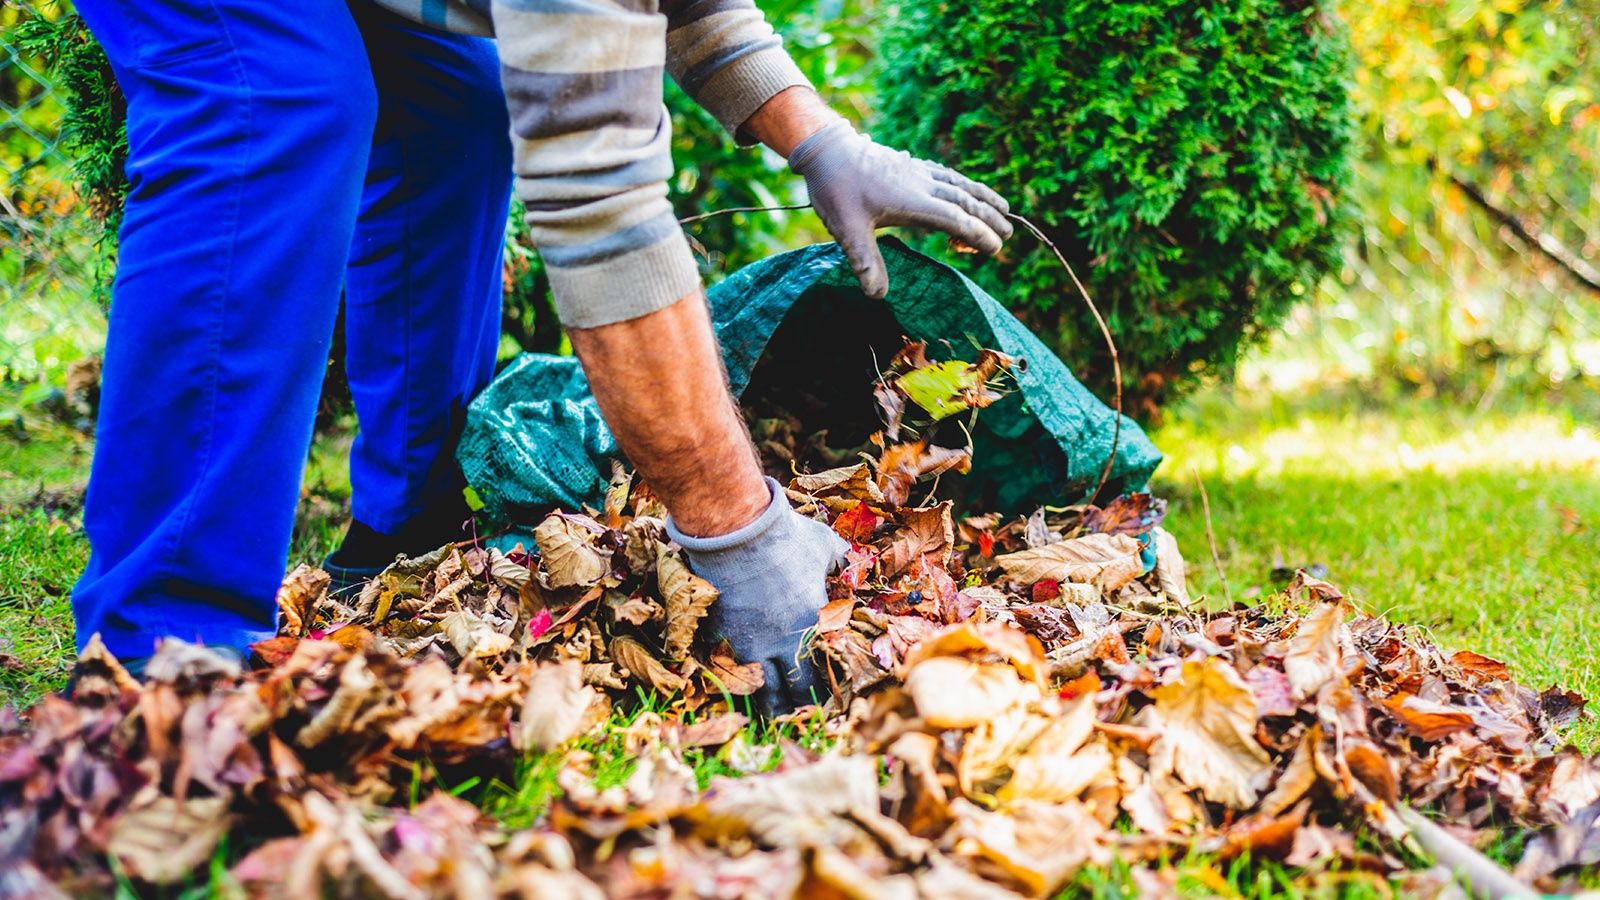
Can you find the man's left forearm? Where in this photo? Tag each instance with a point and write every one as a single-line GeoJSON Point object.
{"type": "Point", "coordinates": [790, 117]}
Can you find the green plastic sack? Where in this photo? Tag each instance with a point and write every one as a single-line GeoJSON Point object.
{"type": "Point", "coordinates": [534, 438]}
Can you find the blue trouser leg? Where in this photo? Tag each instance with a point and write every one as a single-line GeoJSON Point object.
{"type": "Point", "coordinates": [249, 126]}
{"type": "Point", "coordinates": [422, 303]}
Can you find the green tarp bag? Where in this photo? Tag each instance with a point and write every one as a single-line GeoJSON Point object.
{"type": "Point", "coordinates": [799, 323]}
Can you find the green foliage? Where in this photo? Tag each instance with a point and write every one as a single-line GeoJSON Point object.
{"type": "Point", "coordinates": [1187, 155]}
{"type": "Point", "coordinates": [1502, 94]}
{"type": "Point", "coordinates": [94, 123]}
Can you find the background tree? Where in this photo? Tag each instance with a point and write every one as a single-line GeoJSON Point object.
{"type": "Point", "coordinates": [1188, 157]}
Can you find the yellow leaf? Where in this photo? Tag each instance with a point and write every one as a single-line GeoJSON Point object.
{"type": "Point", "coordinates": [957, 693]}
{"type": "Point", "coordinates": [1207, 719]}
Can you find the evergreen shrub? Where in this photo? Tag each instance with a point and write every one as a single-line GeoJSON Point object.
{"type": "Point", "coordinates": [1189, 157]}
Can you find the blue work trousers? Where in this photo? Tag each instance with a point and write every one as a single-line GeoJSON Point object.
{"type": "Point", "coordinates": [279, 152]}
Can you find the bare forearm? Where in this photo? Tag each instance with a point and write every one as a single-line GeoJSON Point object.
{"type": "Point", "coordinates": [789, 118]}
{"type": "Point", "coordinates": [661, 387]}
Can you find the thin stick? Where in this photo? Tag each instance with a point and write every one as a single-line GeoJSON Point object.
{"type": "Point", "coordinates": [688, 220]}
{"type": "Point", "coordinates": [1484, 878]}
{"type": "Point", "coordinates": [1111, 347]}
{"type": "Point", "coordinates": [1211, 537]}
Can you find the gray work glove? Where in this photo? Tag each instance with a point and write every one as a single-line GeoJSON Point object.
{"type": "Point", "coordinates": [858, 186]}
{"type": "Point", "coordinates": [772, 578]}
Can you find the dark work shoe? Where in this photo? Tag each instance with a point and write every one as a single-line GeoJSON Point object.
{"type": "Point", "coordinates": [346, 582]}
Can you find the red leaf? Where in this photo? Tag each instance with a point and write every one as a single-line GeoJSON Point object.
{"type": "Point", "coordinates": [539, 624]}
{"type": "Point", "coordinates": [857, 523]}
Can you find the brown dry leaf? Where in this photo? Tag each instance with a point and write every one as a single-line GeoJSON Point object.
{"type": "Point", "coordinates": [642, 664]}
{"type": "Point", "coordinates": [1263, 836]}
{"type": "Point", "coordinates": [1207, 719]}
{"type": "Point", "coordinates": [553, 706]}
{"type": "Point", "coordinates": [1130, 514]}
{"type": "Point", "coordinates": [1427, 719]}
{"type": "Point", "coordinates": [713, 732]}
{"type": "Point", "coordinates": [1015, 646]}
{"type": "Point", "coordinates": [299, 594]}
{"type": "Point", "coordinates": [1313, 588]}
{"type": "Point", "coordinates": [1371, 768]}
{"type": "Point", "coordinates": [950, 692]}
{"type": "Point", "coordinates": [994, 744]}
{"type": "Point", "coordinates": [1039, 845]}
{"type": "Point", "coordinates": [568, 553]}
{"type": "Point", "coordinates": [851, 481]}
{"type": "Point", "coordinates": [358, 690]}
{"type": "Point", "coordinates": [1483, 666]}
{"type": "Point", "coordinates": [634, 609]}
{"type": "Point", "coordinates": [1058, 766]}
{"type": "Point", "coordinates": [1316, 651]}
{"type": "Point", "coordinates": [98, 659]}
{"type": "Point", "coordinates": [925, 809]}
{"type": "Point", "coordinates": [832, 802]}
{"type": "Point", "coordinates": [1572, 845]}
{"type": "Point", "coordinates": [903, 464]}
{"type": "Point", "coordinates": [1108, 561]}
{"type": "Point", "coordinates": [851, 652]}
{"type": "Point", "coordinates": [1298, 778]}
{"type": "Point", "coordinates": [1170, 571]}
{"type": "Point", "coordinates": [471, 636]}
{"type": "Point", "coordinates": [924, 534]}
{"type": "Point", "coordinates": [642, 540]}
{"type": "Point", "coordinates": [505, 571]}
{"type": "Point", "coordinates": [728, 674]}
{"type": "Point", "coordinates": [164, 840]}
{"type": "Point", "coordinates": [687, 597]}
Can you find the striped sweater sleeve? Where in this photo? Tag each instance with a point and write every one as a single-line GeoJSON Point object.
{"type": "Point", "coordinates": [591, 142]}
{"type": "Point", "coordinates": [725, 56]}
{"type": "Point", "coordinates": [591, 137]}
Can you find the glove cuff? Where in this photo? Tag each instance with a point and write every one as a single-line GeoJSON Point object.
{"type": "Point", "coordinates": [811, 148]}
{"type": "Point", "coordinates": [771, 518]}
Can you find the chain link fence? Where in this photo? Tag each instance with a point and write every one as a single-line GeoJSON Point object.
{"type": "Point", "coordinates": [48, 258]}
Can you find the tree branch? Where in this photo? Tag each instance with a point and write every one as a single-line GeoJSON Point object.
{"type": "Point", "coordinates": [1545, 243]}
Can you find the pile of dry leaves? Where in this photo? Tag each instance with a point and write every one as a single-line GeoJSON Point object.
{"type": "Point", "coordinates": [1014, 701]}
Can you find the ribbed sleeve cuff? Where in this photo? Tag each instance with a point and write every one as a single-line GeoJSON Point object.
{"type": "Point", "coordinates": [742, 86]}
{"type": "Point", "coordinates": [731, 547]}
{"type": "Point", "coordinates": [627, 286]}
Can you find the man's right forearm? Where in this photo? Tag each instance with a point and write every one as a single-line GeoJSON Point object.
{"type": "Point", "coordinates": [661, 387]}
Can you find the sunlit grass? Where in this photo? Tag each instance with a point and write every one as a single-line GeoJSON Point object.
{"type": "Point", "coordinates": [1482, 527]}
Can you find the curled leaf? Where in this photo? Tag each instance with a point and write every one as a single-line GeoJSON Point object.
{"type": "Point", "coordinates": [568, 552]}
{"type": "Point", "coordinates": [687, 596]}
{"type": "Point", "coordinates": [1108, 561]}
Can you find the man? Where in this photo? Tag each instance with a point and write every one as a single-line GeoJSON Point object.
{"type": "Point", "coordinates": [270, 160]}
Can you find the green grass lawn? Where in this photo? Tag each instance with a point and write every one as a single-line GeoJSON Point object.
{"type": "Point", "coordinates": [1482, 526]}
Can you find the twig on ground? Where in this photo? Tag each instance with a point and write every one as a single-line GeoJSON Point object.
{"type": "Point", "coordinates": [1211, 537]}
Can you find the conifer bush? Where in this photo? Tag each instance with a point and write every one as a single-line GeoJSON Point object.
{"type": "Point", "coordinates": [1188, 156]}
